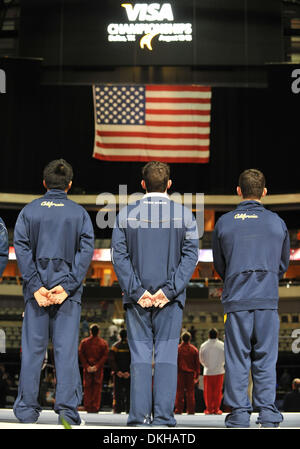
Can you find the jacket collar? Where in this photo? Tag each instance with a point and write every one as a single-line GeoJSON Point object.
{"type": "Point", "coordinates": [164, 195]}
{"type": "Point", "coordinates": [55, 193]}
{"type": "Point", "coordinates": [250, 204]}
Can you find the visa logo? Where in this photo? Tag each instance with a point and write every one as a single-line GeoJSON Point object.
{"type": "Point", "coordinates": [152, 12]}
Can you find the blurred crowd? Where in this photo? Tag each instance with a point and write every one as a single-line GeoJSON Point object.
{"type": "Point", "coordinates": [105, 368]}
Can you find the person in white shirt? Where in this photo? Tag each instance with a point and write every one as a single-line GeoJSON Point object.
{"type": "Point", "coordinates": [211, 355]}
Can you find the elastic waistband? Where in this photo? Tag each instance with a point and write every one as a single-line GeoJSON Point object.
{"type": "Point", "coordinates": [250, 304]}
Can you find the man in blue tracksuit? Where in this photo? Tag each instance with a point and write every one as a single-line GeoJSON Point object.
{"type": "Point", "coordinates": [3, 246]}
{"type": "Point", "coordinates": [251, 251]}
{"type": "Point", "coordinates": [54, 242]}
{"type": "Point", "coordinates": [154, 251]}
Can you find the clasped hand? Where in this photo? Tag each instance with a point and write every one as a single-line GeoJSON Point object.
{"type": "Point", "coordinates": [55, 295]}
{"type": "Point", "coordinates": [159, 299]}
{"type": "Point", "coordinates": [92, 369]}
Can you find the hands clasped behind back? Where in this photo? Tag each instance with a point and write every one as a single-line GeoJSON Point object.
{"type": "Point", "coordinates": [55, 295]}
{"type": "Point", "coordinates": [159, 299]}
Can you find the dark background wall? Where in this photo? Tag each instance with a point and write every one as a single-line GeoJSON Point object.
{"type": "Point", "coordinates": [47, 110]}
{"type": "Point", "coordinates": [74, 33]}
{"type": "Point", "coordinates": [250, 127]}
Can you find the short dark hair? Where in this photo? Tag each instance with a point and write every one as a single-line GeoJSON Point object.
{"type": "Point", "coordinates": [252, 183]}
{"type": "Point", "coordinates": [58, 174]}
{"type": "Point", "coordinates": [156, 176]}
{"type": "Point", "coordinates": [94, 328]}
{"type": "Point", "coordinates": [186, 336]}
{"type": "Point", "coordinates": [213, 333]}
{"type": "Point", "coordinates": [123, 334]}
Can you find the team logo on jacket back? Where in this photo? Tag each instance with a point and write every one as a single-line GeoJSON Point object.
{"type": "Point", "coordinates": [51, 203]}
{"type": "Point", "coordinates": [244, 216]}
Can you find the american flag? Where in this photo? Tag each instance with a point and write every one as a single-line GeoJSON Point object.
{"type": "Point", "coordinates": [169, 123]}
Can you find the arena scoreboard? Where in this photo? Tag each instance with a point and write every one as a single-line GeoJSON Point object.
{"type": "Point", "coordinates": [93, 33]}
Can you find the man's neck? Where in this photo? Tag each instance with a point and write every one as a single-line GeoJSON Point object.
{"type": "Point", "coordinates": [251, 199]}
{"type": "Point", "coordinates": [61, 190]}
{"type": "Point", "coordinates": [156, 193]}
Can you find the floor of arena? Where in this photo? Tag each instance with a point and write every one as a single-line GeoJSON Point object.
{"type": "Point", "coordinates": [106, 420]}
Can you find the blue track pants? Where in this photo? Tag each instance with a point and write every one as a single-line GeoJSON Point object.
{"type": "Point", "coordinates": [157, 329]}
{"type": "Point", "coordinates": [251, 342]}
{"type": "Point", "coordinates": [61, 324]}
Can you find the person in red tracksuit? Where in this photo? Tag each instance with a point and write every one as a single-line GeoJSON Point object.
{"type": "Point", "coordinates": [188, 375]}
{"type": "Point", "coordinates": [93, 352]}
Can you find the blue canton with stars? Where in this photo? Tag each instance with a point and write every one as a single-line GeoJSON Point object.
{"type": "Point", "coordinates": [120, 105]}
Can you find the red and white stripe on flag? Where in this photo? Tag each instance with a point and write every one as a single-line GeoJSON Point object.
{"type": "Point", "coordinates": [169, 123]}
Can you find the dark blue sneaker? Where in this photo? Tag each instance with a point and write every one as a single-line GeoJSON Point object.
{"type": "Point", "coordinates": [238, 419]}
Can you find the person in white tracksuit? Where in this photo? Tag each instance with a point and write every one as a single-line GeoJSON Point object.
{"type": "Point", "coordinates": [211, 355]}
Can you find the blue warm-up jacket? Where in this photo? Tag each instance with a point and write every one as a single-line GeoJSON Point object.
{"type": "Point", "coordinates": [54, 244]}
{"type": "Point", "coordinates": [154, 246]}
{"type": "Point", "coordinates": [3, 246]}
{"type": "Point", "coordinates": [251, 252]}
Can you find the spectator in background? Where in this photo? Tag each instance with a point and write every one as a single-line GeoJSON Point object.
{"type": "Point", "coordinates": [93, 352]}
{"type": "Point", "coordinates": [199, 397]}
{"type": "Point", "coordinates": [43, 370]}
{"type": "Point", "coordinates": [47, 390]}
{"type": "Point", "coordinates": [4, 386]}
{"type": "Point", "coordinates": [291, 402]}
{"type": "Point", "coordinates": [113, 331]}
{"type": "Point", "coordinates": [104, 310]}
{"type": "Point", "coordinates": [183, 330]}
{"type": "Point", "coordinates": [188, 375]}
{"type": "Point", "coordinates": [212, 358]}
{"type": "Point", "coordinates": [285, 380]}
{"type": "Point", "coordinates": [85, 327]}
{"type": "Point", "coordinates": [119, 361]}
{"type": "Point", "coordinates": [193, 333]}
{"type": "Point", "coordinates": [3, 247]}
